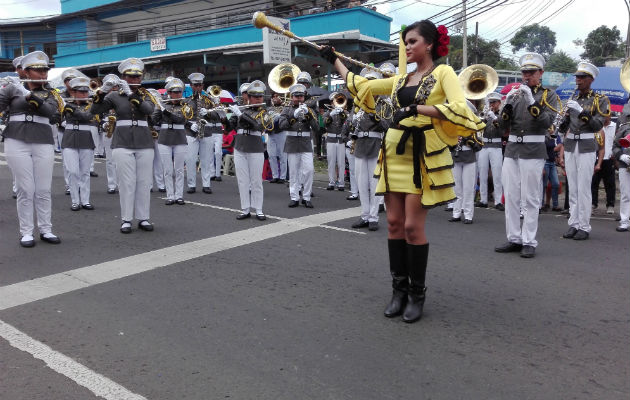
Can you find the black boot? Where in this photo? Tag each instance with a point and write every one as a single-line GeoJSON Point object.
{"type": "Point", "coordinates": [400, 280]}
{"type": "Point", "coordinates": [417, 256]}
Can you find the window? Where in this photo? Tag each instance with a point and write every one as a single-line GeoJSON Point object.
{"type": "Point", "coordinates": [31, 49]}
{"type": "Point", "coordinates": [50, 49]}
{"type": "Point", "coordinates": [127, 37]}
{"type": "Point", "coordinates": [17, 52]}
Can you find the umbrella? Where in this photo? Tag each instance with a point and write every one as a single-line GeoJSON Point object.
{"type": "Point", "coordinates": [226, 97]}
{"type": "Point", "coordinates": [607, 83]}
{"type": "Point", "coordinates": [506, 89]}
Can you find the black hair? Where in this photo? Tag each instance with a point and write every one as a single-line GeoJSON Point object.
{"type": "Point", "coordinates": [428, 31]}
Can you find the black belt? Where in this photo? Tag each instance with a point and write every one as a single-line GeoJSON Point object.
{"type": "Point", "coordinates": [417, 134]}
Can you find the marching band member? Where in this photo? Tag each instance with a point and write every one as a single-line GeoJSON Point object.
{"type": "Point", "coordinates": [109, 125]}
{"type": "Point", "coordinates": [464, 173]}
{"type": "Point", "coordinates": [29, 145]}
{"type": "Point", "coordinates": [491, 154]}
{"type": "Point", "coordinates": [249, 150]}
{"type": "Point", "coordinates": [622, 155]}
{"type": "Point", "coordinates": [335, 147]}
{"type": "Point", "coordinates": [199, 141]}
{"type": "Point", "coordinates": [349, 149]}
{"type": "Point", "coordinates": [585, 116]}
{"type": "Point", "coordinates": [528, 112]}
{"type": "Point", "coordinates": [275, 144]}
{"type": "Point", "coordinates": [154, 127]}
{"type": "Point", "coordinates": [300, 122]}
{"type": "Point", "coordinates": [172, 141]}
{"type": "Point", "coordinates": [414, 165]}
{"type": "Point", "coordinates": [21, 75]}
{"type": "Point", "coordinates": [217, 119]}
{"type": "Point", "coordinates": [78, 143]}
{"type": "Point", "coordinates": [243, 92]}
{"type": "Point", "coordinates": [132, 143]}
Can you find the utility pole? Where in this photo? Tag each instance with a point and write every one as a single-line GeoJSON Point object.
{"type": "Point", "coordinates": [476, 42]}
{"type": "Point", "coordinates": [464, 45]}
{"type": "Point", "coordinates": [628, 31]}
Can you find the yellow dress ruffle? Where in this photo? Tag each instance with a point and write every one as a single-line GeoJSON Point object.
{"type": "Point", "coordinates": [395, 171]}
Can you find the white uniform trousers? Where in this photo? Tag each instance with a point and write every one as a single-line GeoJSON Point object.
{"type": "Point", "coordinates": [521, 182]}
{"type": "Point", "coordinates": [579, 167]}
{"type": "Point", "coordinates": [216, 154]}
{"type": "Point", "coordinates": [158, 171]}
{"type": "Point", "coordinates": [366, 183]}
{"type": "Point", "coordinates": [204, 149]}
{"type": "Point", "coordinates": [249, 168]}
{"type": "Point", "coordinates": [32, 167]}
{"type": "Point", "coordinates": [173, 156]}
{"type": "Point", "coordinates": [59, 134]}
{"type": "Point", "coordinates": [110, 168]}
{"type": "Point", "coordinates": [301, 170]}
{"type": "Point", "coordinates": [464, 175]}
{"type": "Point", "coordinates": [352, 172]}
{"type": "Point", "coordinates": [624, 200]}
{"type": "Point", "coordinates": [77, 162]}
{"type": "Point", "coordinates": [275, 150]}
{"type": "Point", "coordinates": [133, 169]}
{"type": "Point", "coordinates": [336, 156]}
{"type": "Point", "coordinates": [493, 158]}
{"type": "Point", "coordinates": [97, 136]}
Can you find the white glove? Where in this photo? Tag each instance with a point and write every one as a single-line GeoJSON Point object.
{"type": "Point", "coordinates": [13, 80]}
{"type": "Point", "coordinates": [235, 110]}
{"type": "Point", "coordinates": [203, 112]}
{"type": "Point", "coordinates": [106, 126]}
{"type": "Point", "coordinates": [625, 158]}
{"type": "Point", "coordinates": [509, 99]}
{"type": "Point", "coordinates": [336, 111]}
{"type": "Point", "coordinates": [527, 94]}
{"type": "Point", "coordinates": [125, 88]}
{"type": "Point", "coordinates": [160, 104]}
{"type": "Point", "coordinates": [108, 86]}
{"type": "Point", "coordinates": [574, 105]}
{"type": "Point", "coordinates": [194, 127]}
{"type": "Point", "coordinates": [299, 112]}
{"type": "Point", "coordinates": [490, 115]}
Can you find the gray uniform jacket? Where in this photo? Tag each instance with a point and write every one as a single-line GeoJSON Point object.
{"type": "Point", "coordinates": [366, 146]}
{"type": "Point", "coordinates": [463, 153]}
{"type": "Point", "coordinates": [77, 133]}
{"type": "Point", "coordinates": [249, 130]}
{"type": "Point", "coordinates": [529, 120]}
{"type": "Point", "coordinates": [36, 121]}
{"type": "Point", "coordinates": [304, 127]}
{"type": "Point", "coordinates": [195, 102]}
{"type": "Point", "coordinates": [131, 136]}
{"type": "Point", "coordinates": [493, 132]}
{"type": "Point", "coordinates": [590, 120]}
{"type": "Point", "coordinates": [170, 134]}
{"type": "Point", "coordinates": [334, 125]}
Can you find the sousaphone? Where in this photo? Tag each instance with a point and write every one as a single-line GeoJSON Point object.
{"type": "Point", "coordinates": [478, 80]}
{"type": "Point", "coordinates": [282, 77]}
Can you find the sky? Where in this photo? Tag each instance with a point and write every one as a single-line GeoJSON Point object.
{"type": "Point", "coordinates": [575, 21]}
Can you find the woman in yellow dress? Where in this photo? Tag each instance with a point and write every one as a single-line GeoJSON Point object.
{"type": "Point", "coordinates": [414, 167]}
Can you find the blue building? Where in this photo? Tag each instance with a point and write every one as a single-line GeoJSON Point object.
{"type": "Point", "coordinates": [20, 37]}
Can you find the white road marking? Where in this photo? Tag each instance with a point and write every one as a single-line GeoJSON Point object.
{"type": "Point", "coordinates": [52, 285]}
{"type": "Point", "coordinates": [79, 373]}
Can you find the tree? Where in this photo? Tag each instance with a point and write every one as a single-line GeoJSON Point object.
{"type": "Point", "coordinates": [560, 62]}
{"type": "Point", "coordinates": [536, 38]}
{"type": "Point", "coordinates": [602, 44]}
{"type": "Point", "coordinates": [488, 52]}
{"type": "Point", "coordinates": [506, 64]}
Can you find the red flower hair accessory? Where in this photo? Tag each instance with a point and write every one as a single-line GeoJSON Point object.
{"type": "Point", "coordinates": [443, 41]}
{"type": "Point", "coordinates": [442, 50]}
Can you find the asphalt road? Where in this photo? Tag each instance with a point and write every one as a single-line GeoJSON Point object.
{"type": "Point", "coordinates": [208, 307]}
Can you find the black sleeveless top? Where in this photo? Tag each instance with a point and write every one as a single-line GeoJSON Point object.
{"type": "Point", "coordinates": [407, 95]}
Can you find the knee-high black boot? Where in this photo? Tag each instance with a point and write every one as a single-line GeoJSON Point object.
{"type": "Point", "coordinates": [417, 256]}
{"type": "Point", "coordinates": [400, 279]}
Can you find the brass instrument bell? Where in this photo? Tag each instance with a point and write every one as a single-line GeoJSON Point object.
{"type": "Point", "coordinates": [624, 75]}
{"type": "Point", "coordinates": [282, 77]}
{"type": "Point", "coordinates": [478, 80]}
{"type": "Point", "coordinates": [214, 90]}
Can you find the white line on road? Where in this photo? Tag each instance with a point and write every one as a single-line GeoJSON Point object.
{"type": "Point", "coordinates": [79, 373]}
{"type": "Point", "coordinates": [52, 285]}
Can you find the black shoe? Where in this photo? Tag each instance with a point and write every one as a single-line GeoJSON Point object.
{"type": "Point", "coordinates": [341, 188]}
{"type": "Point", "coordinates": [218, 179]}
{"type": "Point", "coordinates": [111, 191]}
{"type": "Point", "coordinates": [454, 219]}
{"type": "Point", "coordinates": [448, 209]}
{"type": "Point", "coordinates": [14, 195]}
{"type": "Point", "coordinates": [312, 194]}
{"type": "Point", "coordinates": [373, 226]}
{"type": "Point", "coordinates": [162, 190]}
{"type": "Point", "coordinates": [180, 201]}
{"type": "Point", "coordinates": [243, 216]}
{"type": "Point", "coordinates": [397, 251]}
{"type": "Point", "coordinates": [330, 187]}
{"type": "Point", "coordinates": [481, 205]}
{"type": "Point", "coordinates": [467, 221]}
{"type": "Point", "coordinates": [281, 181]}
{"type": "Point", "coordinates": [570, 233]}
{"type": "Point", "coordinates": [361, 223]}
{"type": "Point", "coordinates": [52, 239]}
{"type": "Point", "coordinates": [308, 204]}
{"type": "Point", "coordinates": [528, 251]}
{"type": "Point", "coordinates": [557, 209]}
{"type": "Point", "coordinates": [352, 197]}
{"type": "Point", "coordinates": [621, 229]}
{"type": "Point", "coordinates": [75, 207]}
{"type": "Point", "coordinates": [381, 208]}
{"type": "Point", "coordinates": [93, 174]}
{"type": "Point", "coordinates": [125, 227]}
{"type": "Point", "coordinates": [396, 304]}
{"type": "Point", "coordinates": [273, 180]}
{"type": "Point", "coordinates": [88, 206]}
{"type": "Point", "coordinates": [67, 193]}
{"type": "Point", "coordinates": [212, 178]}
{"type": "Point", "coordinates": [145, 225]}
{"type": "Point", "coordinates": [500, 207]}
{"type": "Point", "coordinates": [191, 190]}
{"type": "Point", "coordinates": [580, 235]}
{"type": "Point", "coordinates": [27, 243]}
{"type": "Point", "coordinates": [415, 304]}
{"type": "Point", "coordinates": [545, 208]}
{"type": "Point", "coordinates": [169, 202]}
{"type": "Point", "coordinates": [207, 190]}
{"type": "Point", "coordinates": [261, 217]}
{"type": "Point", "coordinates": [508, 247]}
{"type": "Point", "coordinates": [294, 203]}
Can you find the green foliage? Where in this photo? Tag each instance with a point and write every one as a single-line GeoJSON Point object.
{"type": "Point", "coordinates": [507, 64]}
{"type": "Point", "coordinates": [536, 38]}
{"type": "Point", "coordinates": [488, 52]}
{"type": "Point", "coordinates": [602, 44]}
{"type": "Point", "coordinates": [560, 62]}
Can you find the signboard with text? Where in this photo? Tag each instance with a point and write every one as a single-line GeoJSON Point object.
{"type": "Point", "coordinates": [276, 46]}
{"type": "Point", "coordinates": [158, 44]}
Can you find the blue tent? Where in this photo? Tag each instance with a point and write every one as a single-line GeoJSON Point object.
{"type": "Point", "coordinates": [607, 82]}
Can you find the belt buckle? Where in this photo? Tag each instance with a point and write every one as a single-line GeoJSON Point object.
{"type": "Point", "coordinates": [366, 134]}
{"type": "Point", "coordinates": [299, 134]}
{"type": "Point", "coordinates": [29, 118]}
{"type": "Point", "coordinates": [75, 127]}
{"type": "Point", "coordinates": [134, 122]}
{"type": "Point", "coordinates": [170, 126]}
{"type": "Point", "coordinates": [519, 139]}
{"type": "Point", "coordinates": [576, 136]}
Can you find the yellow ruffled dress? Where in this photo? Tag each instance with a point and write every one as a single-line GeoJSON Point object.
{"type": "Point", "coordinates": [395, 171]}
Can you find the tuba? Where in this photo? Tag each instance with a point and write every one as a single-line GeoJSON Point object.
{"type": "Point", "coordinates": [478, 80]}
{"type": "Point", "coordinates": [282, 77]}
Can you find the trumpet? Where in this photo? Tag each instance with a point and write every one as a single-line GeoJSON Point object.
{"type": "Point", "coordinates": [94, 85]}
{"type": "Point", "coordinates": [339, 101]}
